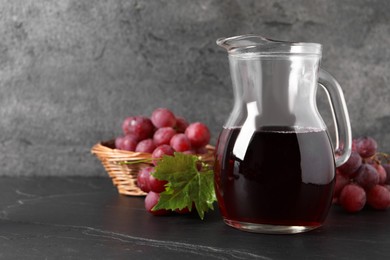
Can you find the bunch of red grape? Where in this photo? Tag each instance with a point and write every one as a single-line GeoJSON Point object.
{"type": "Point", "coordinates": [161, 134]}
{"type": "Point", "coordinates": [364, 179]}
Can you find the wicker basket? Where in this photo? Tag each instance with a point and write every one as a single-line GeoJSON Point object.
{"type": "Point", "coordinates": [124, 176]}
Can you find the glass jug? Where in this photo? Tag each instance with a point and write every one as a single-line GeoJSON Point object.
{"type": "Point", "coordinates": [275, 164]}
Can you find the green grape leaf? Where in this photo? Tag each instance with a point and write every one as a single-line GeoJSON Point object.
{"type": "Point", "coordinates": [186, 185]}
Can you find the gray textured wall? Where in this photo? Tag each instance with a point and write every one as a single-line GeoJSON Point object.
{"type": "Point", "coordinates": [71, 70]}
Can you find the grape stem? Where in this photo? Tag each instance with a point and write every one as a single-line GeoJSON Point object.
{"type": "Point", "coordinates": [379, 157]}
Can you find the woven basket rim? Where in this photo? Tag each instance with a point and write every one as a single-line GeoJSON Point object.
{"type": "Point", "coordinates": [106, 149]}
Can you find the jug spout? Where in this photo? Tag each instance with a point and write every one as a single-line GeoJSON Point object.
{"type": "Point", "coordinates": [251, 43]}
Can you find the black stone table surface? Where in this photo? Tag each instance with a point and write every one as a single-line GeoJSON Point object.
{"type": "Point", "coordinates": [85, 218]}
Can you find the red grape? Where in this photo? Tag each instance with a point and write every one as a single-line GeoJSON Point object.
{"type": "Point", "coordinates": [163, 117]}
{"type": "Point", "coordinates": [127, 142]}
{"type": "Point", "coordinates": [198, 134]}
{"type": "Point", "coordinates": [163, 135]}
{"type": "Point", "coordinates": [143, 178]}
{"type": "Point", "coordinates": [350, 167]}
{"type": "Point", "coordinates": [160, 151]}
{"type": "Point", "coordinates": [145, 146]}
{"type": "Point", "coordinates": [367, 176]}
{"type": "Point", "coordinates": [352, 198]}
{"type": "Point", "coordinates": [141, 127]}
{"type": "Point", "coordinates": [378, 197]}
{"type": "Point", "coordinates": [150, 201]}
{"type": "Point", "coordinates": [181, 124]}
{"type": "Point", "coordinates": [180, 143]}
{"type": "Point", "coordinates": [156, 185]}
{"type": "Point", "coordinates": [366, 146]}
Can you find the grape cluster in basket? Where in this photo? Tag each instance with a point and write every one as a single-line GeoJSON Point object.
{"type": "Point", "coordinates": [364, 179]}
{"type": "Point", "coordinates": [161, 134]}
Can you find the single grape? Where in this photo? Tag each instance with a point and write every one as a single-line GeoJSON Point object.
{"type": "Point", "coordinates": [163, 135]}
{"type": "Point", "coordinates": [160, 151]}
{"type": "Point", "coordinates": [146, 146]}
{"type": "Point", "coordinates": [180, 143]}
{"type": "Point", "coordinates": [143, 178]}
{"type": "Point", "coordinates": [350, 167]}
{"type": "Point", "coordinates": [352, 198]}
{"type": "Point", "coordinates": [139, 126]}
{"type": "Point", "coordinates": [198, 134]}
{"type": "Point", "coordinates": [367, 176]}
{"type": "Point", "coordinates": [156, 185]}
{"type": "Point", "coordinates": [181, 124]}
{"type": "Point", "coordinates": [366, 146]}
{"type": "Point", "coordinates": [151, 200]}
{"type": "Point", "coordinates": [163, 117]}
{"type": "Point", "coordinates": [378, 197]}
{"type": "Point", "coordinates": [127, 143]}
{"type": "Point", "coordinates": [341, 182]}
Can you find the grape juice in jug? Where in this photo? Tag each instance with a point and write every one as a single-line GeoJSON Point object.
{"type": "Point", "coordinates": [283, 179]}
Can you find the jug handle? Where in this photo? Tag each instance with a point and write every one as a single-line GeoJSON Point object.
{"type": "Point", "coordinates": [340, 116]}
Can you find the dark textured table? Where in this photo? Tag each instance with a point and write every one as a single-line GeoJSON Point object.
{"type": "Point", "coordinates": [85, 218]}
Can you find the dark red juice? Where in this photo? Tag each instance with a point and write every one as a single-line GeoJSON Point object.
{"type": "Point", "coordinates": [283, 177]}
